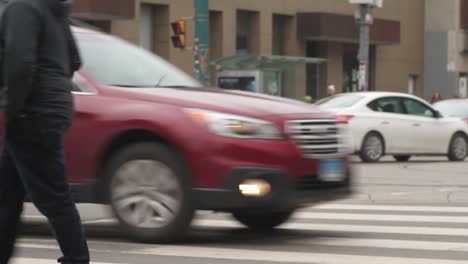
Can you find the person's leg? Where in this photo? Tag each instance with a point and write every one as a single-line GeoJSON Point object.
{"type": "Point", "coordinates": [38, 152]}
{"type": "Point", "coordinates": [11, 204]}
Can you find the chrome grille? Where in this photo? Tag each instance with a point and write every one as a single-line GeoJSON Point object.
{"type": "Point", "coordinates": [316, 138]}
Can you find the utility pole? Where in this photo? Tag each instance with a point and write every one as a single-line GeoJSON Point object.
{"type": "Point", "coordinates": [364, 20]}
{"type": "Point", "coordinates": [363, 56]}
{"type": "Point", "coordinates": [202, 41]}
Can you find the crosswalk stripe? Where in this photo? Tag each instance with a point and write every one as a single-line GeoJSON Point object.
{"type": "Point", "coordinates": [359, 249]}
{"type": "Point", "coordinates": [387, 244]}
{"type": "Point", "coordinates": [283, 256]}
{"type": "Point", "coordinates": [324, 241]}
{"type": "Point", "coordinates": [351, 228]}
{"type": "Point", "coordinates": [382, 217]}
{"type": "Point", "coordinates": [407, 208]}
{"type": "Point", "coordinates": [390, 229]}
{"type": "Point", "coordinates": [40, 261]}
{"type": "Point", "coordinates": [279, 256]}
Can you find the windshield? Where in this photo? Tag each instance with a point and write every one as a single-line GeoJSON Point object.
{"type": "Point", "coordinates": [453, 108]}
{"type": "Point", "coordinates": [115, 62]}
{"type": "Point", "coordinates": [340, 101]}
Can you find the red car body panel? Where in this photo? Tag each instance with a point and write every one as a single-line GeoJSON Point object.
{"type": "Point", "coordinates": [106, 112]}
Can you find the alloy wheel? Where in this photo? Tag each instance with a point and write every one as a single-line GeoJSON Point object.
{"type": "Point", "coordinates": [146, 193]}
{"type": "Point", "coordinates": [460, 147]}
{"type": "Point", "coordinates": [374, 147]}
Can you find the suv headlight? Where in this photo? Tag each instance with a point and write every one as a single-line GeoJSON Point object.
{"type": "Point", "coordinates": [235, 126]}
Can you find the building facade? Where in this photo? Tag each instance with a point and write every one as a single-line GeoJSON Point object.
{"type": "Point", "coordinates": [446, 48]}
{"type": "Point", "coordinates": [301, 28]}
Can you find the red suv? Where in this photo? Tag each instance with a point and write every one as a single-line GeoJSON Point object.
{"type": "Point", "coordinates": [154, 144]}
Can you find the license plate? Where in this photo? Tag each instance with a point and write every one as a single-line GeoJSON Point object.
{"type": "Point", "coordinates": [332, 170]}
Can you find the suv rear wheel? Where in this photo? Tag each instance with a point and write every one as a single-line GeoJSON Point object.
{"type": "Point", "coordinates": [262, 221]}
{"type": "Point", "coordinates": [149, 191]}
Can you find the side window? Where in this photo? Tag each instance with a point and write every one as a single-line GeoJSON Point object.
{"type": "Point", "coordinates": [414, 107]}
{"type": "Point", "coordinates": [390, 105]}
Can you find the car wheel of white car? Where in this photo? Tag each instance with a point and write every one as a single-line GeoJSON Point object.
{"type": "Point", "coordinates": [262, 221]}
{"type": "Point", "coordinates": [373, 148]}
{"type": "Point", "coordinates": [149, 191]}
{"type": "Point", "coordinates": [458, 148]}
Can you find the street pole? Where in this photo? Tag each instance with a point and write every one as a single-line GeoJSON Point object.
{"type": "Point", "coordinates": [202, 41]}
{"type": "Point", "coordinates": [363, 56]}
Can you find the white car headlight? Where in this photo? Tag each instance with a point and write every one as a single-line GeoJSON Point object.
{"type": "Point", "coordinates": [235, 126]}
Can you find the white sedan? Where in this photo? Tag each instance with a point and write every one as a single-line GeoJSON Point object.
{"type": "Point", "coordinates": [402, 125]}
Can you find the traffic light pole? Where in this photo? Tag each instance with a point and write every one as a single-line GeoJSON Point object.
{"type": "Point", "coordinates": [202, 41]}
{"type": "Point", "coordinates": [363, 56]}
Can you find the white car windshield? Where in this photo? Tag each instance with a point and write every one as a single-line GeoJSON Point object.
{"type": "Point", "coordinates": [115, 62]}
{"type": "Point", "coordinates": [340, 101]}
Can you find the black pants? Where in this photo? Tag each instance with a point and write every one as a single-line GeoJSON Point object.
{"type": "Point", "coordinates": [32, 163]}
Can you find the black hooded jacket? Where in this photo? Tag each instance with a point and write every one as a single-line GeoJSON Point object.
{"type": "Point", "coordinates": [39, 57]}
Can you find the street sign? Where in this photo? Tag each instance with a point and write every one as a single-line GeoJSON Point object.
{"type": "Point", "coordinates": [362, 76]}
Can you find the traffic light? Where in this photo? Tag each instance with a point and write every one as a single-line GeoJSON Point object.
{"type": "Point", "coordinates": [179, 29]}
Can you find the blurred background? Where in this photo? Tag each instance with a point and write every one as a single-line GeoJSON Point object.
{"type": "Point", "coordinates": [416, 47]}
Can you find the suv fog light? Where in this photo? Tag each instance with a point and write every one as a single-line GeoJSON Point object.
{"type": "Point", "coordinates": [255, 187]}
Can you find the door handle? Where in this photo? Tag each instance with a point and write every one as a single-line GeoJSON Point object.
{"type": "Point", "coordinates": [416, 124]}
{"type": "Point", "coordinates": [385, 123]}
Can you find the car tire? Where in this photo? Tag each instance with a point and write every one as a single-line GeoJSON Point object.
{"type": "Point", "coordinates": [262, 221]}
{"type": "Point", "coordinates": [458, 148]}
{"type": "Point", "coordinates": [373, 148]}
{"type": "Point", "coordinates": [402, 158]}
{"type": "Point", "coordinates": [149, 192]}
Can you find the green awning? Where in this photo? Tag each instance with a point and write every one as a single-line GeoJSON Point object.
{"type": "Point", "coordinates": [262, 62]}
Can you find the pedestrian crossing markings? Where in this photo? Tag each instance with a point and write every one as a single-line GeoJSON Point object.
{"type": "Point", "coordinates": [451, 241]}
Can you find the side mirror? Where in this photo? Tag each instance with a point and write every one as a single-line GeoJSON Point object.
{"type": "Point", "coordinates": [438, 114]}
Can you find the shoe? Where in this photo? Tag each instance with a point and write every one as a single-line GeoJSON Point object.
{"type": "Point", "coordinates": [63, 261]}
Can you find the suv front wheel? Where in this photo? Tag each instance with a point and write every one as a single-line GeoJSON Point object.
{"type": "Point", "coordinates": [148, 191]}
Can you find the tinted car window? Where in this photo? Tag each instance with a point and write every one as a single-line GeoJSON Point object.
{"type": "Point", "coordinates": [414, 107]}
{"type": "Point", "coordinates": [115, 62]}
{"type": "Point", "coordinates": [387, 105]}
{"type": "Point", "coordinates": [340, 101]}
{"type": "Point", "coordinates": [455, 108]}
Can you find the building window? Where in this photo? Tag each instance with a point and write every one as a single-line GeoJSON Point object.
{"type": "Point", "coordinates": [247, 37]}
{"type": "Point", "coordinates": [216, 40]}
{"type": "Point", "coordinates": [350, 68]}
{"type": "Point", "coordinates": [147, 27]}
{"type": "Point", "coordinates": [216, 34]}
{"type": "Point", "coordinates": [281, 25]}
{"type": "Point", "coordinates": [154, 29]}
{"type": "Point", "coordinates": [313, 50]}
{"type": "Point", "coordinates": [464, 14]}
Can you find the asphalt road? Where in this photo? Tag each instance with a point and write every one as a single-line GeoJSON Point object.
{"type": "Point", "coordinates": [415, 212]}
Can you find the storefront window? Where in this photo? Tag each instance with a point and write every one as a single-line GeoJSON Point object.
{"type": "Point", "coordinates": [350, 68]}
